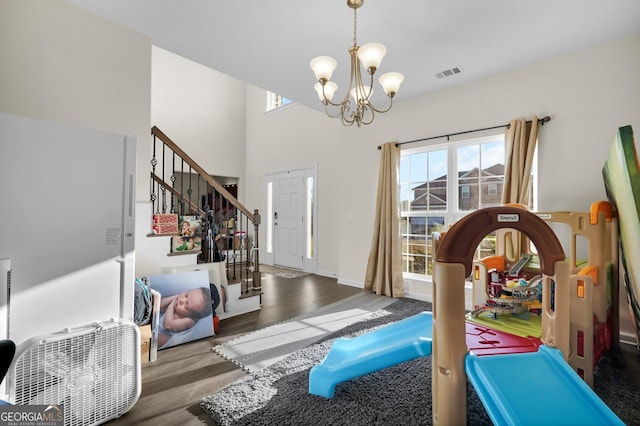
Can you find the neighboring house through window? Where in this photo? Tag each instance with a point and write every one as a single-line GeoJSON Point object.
{"type": "Point", "coordinates": [439, 184]}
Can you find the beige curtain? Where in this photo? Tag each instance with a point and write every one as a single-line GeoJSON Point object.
{"type": "Point", "coordinates": [384, 267]}
{"type": "Point", "coordinates": [520, 143]}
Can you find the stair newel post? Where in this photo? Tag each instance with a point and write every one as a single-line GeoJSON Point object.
{"type": "Point", "coordinates": [243, 224]}
{"type": "Point", "coordinates": [257, 276]}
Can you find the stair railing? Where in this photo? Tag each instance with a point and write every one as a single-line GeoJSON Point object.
{"type": "Point", "coordinates": [178, 185]}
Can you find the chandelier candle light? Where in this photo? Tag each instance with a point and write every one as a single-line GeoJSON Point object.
{"type": "Point", "coordinates": [361, 110]}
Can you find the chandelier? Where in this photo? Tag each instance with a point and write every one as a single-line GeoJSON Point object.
{"type": "Point", "coordinates": [359, 109]}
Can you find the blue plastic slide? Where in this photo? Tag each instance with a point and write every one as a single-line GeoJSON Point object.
{"type": "Point", "coordinates": [393, 344]}
{"type": "Point", "coordinates": [535, 388]}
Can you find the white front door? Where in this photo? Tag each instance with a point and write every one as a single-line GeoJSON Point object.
{"type": "Point", "coordinates": [288, 219]}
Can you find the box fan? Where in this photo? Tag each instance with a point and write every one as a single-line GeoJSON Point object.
{"type": "Point", "coordinates": [92, 370]}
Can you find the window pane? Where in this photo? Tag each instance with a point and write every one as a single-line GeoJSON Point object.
{"type": "Point", "coordinates": [438, 180]}
{"type": "Point", "coordinates": [275, 101]}
{"type": "Point", "coordinates": [406, 196]}
{"type": "Point", "coordinates": [310, 209]}
{"type": "Point", "coordinates": [420, 198]}
{"type": "Point", "coordinates": [404, 168]}
{"type": "Point", "coordinates": [426, 194]}
{"type": "Point", "coordinates": [415, 264]}
{"type": "Point", "coordinates": [417, 225]}
{"type": "Point", "coordinates": [468, 159]}
{"type": "Point", "coordinates": [468, 194]}
{"type": "Point", "coordinates": [414, 245]}
{"type": "Point", "coordinates": [492, 154]}
{"type": "Point", "coordinates": [490, 195]}
{"type": "Point", "coordinates": [436, 224]}
{"type": "Point", "coordinates": [492, 176]}
{"type": "Point", "coordinates": [417, 244]}
{"type": "Point", "coordinates": [438, 165]}
{"type": "Point", "coordinates": [418, 167]}
{"type": "Point", "coordinates": [269, 215]}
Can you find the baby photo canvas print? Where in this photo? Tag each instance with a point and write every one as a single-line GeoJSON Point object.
{"type": "Point", "coordinates": [185, 307]}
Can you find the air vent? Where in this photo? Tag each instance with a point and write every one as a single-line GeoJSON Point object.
{"type": "Point", "coordinates": [449, 72]}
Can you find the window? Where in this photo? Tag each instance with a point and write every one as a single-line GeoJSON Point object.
{"type": "Point", "coordinates": [309, 210]}
{"type": "Point", "coordinates": [439, 184]}
{"type": "Point", "coordinates": [275, 101]}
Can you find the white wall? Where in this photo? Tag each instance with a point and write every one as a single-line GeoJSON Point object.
{"type": "Point", "coordinates": [202, 110]}
{"type": "Point", "coordinates": [63, 64]}
{"type": "Point", "coordinates": [588, 96]}
{"type": "Point", "coordinates": [293, 138]}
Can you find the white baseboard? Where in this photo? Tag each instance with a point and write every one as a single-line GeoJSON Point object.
{"type": "Point", "coordinates": [328, 274]}
{"type": "Point", "coordinates": [352, 283]}
{"type": "Point", "coordinates": [425, 295]}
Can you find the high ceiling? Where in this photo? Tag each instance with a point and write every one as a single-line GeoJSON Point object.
{"type": "Point", "coordinates": [269, 43]}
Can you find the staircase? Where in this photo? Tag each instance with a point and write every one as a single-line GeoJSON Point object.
{"type": "Point", "coordinates": [225, 241]}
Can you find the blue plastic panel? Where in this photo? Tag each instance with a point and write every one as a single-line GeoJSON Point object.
{"type": "Point", "coordinates": [387, 346]}
{"type": "Point", "coordinates": [537, 388]}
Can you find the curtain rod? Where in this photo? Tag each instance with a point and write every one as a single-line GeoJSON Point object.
{"type": "Point", "coordinates": [543, 120]}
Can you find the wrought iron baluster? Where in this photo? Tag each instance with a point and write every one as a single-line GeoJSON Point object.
{"type": "Point", "coordinates": [173, 182]}
{"type": "Point", "coordinates": [163, 188]}
{"type": "Point", "coordinates": [154, 163]}
{"type": "Point", "coordinates": [181, 202]}
{"type": "Point", "coordinates": [190, 190]}
{"type": "Point", "coordinates": [198, 193]}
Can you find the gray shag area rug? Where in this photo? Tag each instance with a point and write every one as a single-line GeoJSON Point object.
{"type": "Point", "coordinates": [399, 395]}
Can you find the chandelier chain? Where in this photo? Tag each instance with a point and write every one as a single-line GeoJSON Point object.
{"type": "Point", "coordinates": [355, 25]}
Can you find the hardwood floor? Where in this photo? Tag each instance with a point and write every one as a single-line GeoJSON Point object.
{"type": "Point", "coordinates": [173, 385]}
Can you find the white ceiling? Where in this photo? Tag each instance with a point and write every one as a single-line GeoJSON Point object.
{"type": "Point", "coordinates": [269, 43]}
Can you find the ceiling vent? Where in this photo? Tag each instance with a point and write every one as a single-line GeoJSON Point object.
{"type": "Point", "coordinates": [449, 72]}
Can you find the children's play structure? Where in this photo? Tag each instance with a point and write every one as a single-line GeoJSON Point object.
{"type": "Point", "coordinates": [508, 299]}
{"type": "Point", "coordinates": [519, 379]}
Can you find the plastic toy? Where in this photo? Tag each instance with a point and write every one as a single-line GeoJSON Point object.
{"type": "Point", "coordinates": [591, 307]}
{"type": "Point", "coordinates": [402, 341]}
{"type": "Point", "coordinates": [558, 397]}
{"type": "Point", "coordinates": [553, 393]}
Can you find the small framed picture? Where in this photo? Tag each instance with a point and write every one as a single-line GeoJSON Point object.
{"type": "Point", "coordinates": [190, 238]}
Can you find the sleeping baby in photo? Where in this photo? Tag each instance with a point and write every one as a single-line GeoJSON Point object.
{"type": "Point", "coordinates": [179, 313]}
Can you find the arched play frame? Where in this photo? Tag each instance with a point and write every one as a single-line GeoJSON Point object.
{"type": "Point", "coordinates": [453, 263]}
